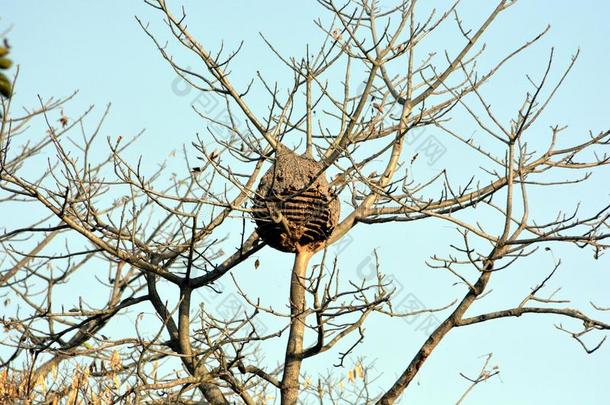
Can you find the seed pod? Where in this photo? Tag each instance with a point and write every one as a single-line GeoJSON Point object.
{"type": "Point", "coordinates": [6, 90]}
{"type": "Point", "coordinates": [5, 63]}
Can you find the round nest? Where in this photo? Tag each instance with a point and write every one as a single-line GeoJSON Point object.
{"type": "Point", "coordinates": [292, 208]}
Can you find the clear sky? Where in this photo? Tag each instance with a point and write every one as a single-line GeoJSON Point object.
{"type": "Point", "coordinates": [98, 48]}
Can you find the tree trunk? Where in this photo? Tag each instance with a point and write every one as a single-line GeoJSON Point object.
{"type": "Point", "coordinates": [294, 348]}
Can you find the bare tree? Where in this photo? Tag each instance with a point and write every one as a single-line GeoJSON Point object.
{"type": "Point", "coordinates": [289, 179]}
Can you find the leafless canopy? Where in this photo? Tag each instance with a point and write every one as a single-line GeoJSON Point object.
{"type": "Point", "coordinates": [135, 243]}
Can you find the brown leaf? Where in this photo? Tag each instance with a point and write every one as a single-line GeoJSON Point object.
{"type": "Point", "coordinates": [115, 360]}
{"type": "Point", "coordinates": [337, 34]}
{"type": "Point", "coordinates": [63, 120]}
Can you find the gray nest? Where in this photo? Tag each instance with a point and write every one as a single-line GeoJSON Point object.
{"type": "Point", "coordinates": [292, 208]}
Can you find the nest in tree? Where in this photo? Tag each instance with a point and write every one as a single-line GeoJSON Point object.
{"type": "Point", "coordinates": [293, 208]}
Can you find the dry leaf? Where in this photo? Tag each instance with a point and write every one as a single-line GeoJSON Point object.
{"type": "Point", "coordinates": [63, 120]}
{"type": "Point", "coordinates": [337, 34]}
{"type": "Point", "coordinates": [40, 382]}
{"type": "Point", "coordinates": [115, 361]}
{"type": "Point", "coordinates": [359, 370]}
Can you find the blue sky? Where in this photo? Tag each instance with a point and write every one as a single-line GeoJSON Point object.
{"type": "Point", "coordinates": [98, 48]}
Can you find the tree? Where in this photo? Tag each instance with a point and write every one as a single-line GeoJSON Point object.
{"type": "Point", "coordinates": [351, 111]}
